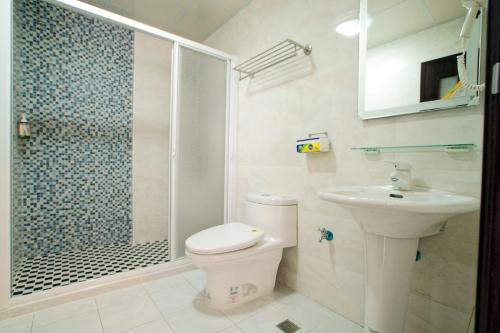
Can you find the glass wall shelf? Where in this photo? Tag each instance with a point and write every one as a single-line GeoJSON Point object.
{"type": "Point", "coordinates": [448, 148]}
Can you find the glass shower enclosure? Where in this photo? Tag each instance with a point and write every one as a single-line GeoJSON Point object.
{"type": "Point", "coordinates": [200, 153]}
{"type": "Point", "coordinates": [120, 145]}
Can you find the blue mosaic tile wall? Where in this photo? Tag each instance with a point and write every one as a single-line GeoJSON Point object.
{"type": "Point", "coordinates": [72, 181]}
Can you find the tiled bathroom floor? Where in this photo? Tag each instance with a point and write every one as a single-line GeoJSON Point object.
{"type": "Point", "coordinates": [54, 270]}
{"type": "Point", "coordinates": [174, 304]}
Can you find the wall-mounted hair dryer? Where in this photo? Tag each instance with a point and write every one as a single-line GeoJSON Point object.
{"type": "Point", "coordinates": [473, 8]}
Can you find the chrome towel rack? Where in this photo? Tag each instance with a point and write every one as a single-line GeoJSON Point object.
{"type": "Point", "coordinates": [275, 55]}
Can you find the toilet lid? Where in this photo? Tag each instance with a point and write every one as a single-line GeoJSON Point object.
{"type": "Point", "coordinates": [224, 238]}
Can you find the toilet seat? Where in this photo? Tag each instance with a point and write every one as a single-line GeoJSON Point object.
{"type": "Point", "coordinates": [224, 238]}
{"type": "Point", "coordinates": [267, 244]}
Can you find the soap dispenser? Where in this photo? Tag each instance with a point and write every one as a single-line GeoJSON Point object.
{"type": "Point", "coordinates": [401, 176]}
{"type": "Point", "coordinates": [23, 127]}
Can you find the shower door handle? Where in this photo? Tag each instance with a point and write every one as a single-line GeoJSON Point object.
{"type": "Point", "coordinates": [495, 78]}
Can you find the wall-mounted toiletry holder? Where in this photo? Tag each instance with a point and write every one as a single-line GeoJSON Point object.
{"type": "Point", "coordinates": [315, 143]}
{"type": "Point", "coordinates": [447, 148]}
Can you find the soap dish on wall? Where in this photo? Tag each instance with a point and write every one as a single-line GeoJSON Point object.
{"type": "Point", "coordinates": [315, 143]}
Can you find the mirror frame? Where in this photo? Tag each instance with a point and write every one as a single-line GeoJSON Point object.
{"type": "Point", "coordinates": [470, 99]}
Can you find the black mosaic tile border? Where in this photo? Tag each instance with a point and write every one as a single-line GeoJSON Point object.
{"type": "Point", "coordinates": [55, 270]}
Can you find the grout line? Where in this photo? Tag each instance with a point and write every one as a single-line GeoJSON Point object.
{"type": "Point", "coordinates": [139, 325]}
{"type": "Point", "coordinates": [239, 328]}
{"type": "Point", "coordinates": [195, 297]}
{"type": "Point", "coordinates": [162, 317]}
{"type": "Point", "coordinates": [234, 325]}
{"type": "Point", "coordinates": [318, 304]}
{"type": "Point", "coordinates": [428, 10]}
{"type": "Point", "coordinates": [32, 321]}
{"type": "Point", "coordinates": [257, 311]}
{"type": "Point", "coordinates": [167, 323]}
{"type": "Point", "coordinates": [388, 8]}
{"type": "Point", "coordinates": [248, 317]}
{"type": "Point", "coordinates": [67, 318]}
{"type": "Point", "coordinates": [140, 285]}
{"type": "Point", "coordinates": [98, 313]}
{"type": "Point", "coordinates": [192, 285]}
{"type": "Point", "coordinates": [428, 298]}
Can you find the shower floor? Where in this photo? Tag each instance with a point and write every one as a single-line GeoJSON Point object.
{"type": "Point", "coordinates": [55, 270]}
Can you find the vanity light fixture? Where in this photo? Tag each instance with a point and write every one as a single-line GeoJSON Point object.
{"type": "Point", "coordinates": [350, 28]}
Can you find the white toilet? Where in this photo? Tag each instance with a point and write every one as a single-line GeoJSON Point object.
{"type": "Point", "coordinates": [241, 260]}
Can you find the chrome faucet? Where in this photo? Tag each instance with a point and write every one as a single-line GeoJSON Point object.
{"type": "Point", "coordinates": [401, 176]}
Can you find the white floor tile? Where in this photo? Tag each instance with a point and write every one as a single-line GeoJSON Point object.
{"type": "Point", "coordinates": [134, 312]}
{"type": "Point", "coordinates": [337, 323]}
{"type": "Point", "coordinates": [197, 278]}
{"type": "Point", "coordinates": [176, 282]}
{"type": "Point", "coordinates": [232, 329]}
{"type": "Point", "coordinates": [139, 309]}
{"type": "Point", "coordinates": [82, 323]}
{"type": "Point", "coordinates": [19, 324]}
{"type": "Point", "coordinates": [157, 326]}
{"type": "Point", "coordinates": [172, 295]}
{"type": "Point", "coordinates": [198, 318]}
{"type": "Point", "coordinates": [59, 312]}
{"type": "Point", "coordinates": [265, 321]}
{"type": "Point", "coordinates": [302, 310]}
{"type": "Point", "coordinates": [120, 296]}
{"type": "Point", "coordinates": [248, 309]}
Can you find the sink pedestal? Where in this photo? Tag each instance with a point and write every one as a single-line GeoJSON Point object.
{"type": "Point", "coordinates": [403, 217]}
{"type": "Point", "coordinates": [390, 263]}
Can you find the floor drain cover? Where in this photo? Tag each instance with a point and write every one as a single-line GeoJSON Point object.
{"type": "Point", "coordinates": [288, 327]}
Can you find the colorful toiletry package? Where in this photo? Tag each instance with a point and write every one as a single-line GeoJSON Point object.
{"type": "Point", "coordinates": [313, 145]}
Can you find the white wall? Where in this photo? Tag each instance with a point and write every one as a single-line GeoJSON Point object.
{"type": "Point", "coordinates": [393, 69]}
{"type": "Point", "coordinates": [319, 93]}
{"type": "Point", "coordinates": [151, 138]}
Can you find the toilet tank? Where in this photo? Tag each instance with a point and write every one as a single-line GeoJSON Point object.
{"type": "Point", "coordinates": [276, 215]}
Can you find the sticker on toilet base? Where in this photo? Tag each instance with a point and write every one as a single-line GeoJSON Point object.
{"type": "Point", "coordinates": [248, 289]}
{"type": "Point", "coordinates": [234, 294]}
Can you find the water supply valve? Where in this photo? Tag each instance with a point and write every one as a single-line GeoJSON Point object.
{"type": "Point", "coordinates": [325, 234]}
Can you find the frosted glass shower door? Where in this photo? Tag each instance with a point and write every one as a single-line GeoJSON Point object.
{"type": "Point", "coordinates": [200, 147]}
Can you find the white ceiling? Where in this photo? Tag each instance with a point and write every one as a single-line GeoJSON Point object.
{"type": "Point", "coordinates": [193, 19]}
{"type": "Point", "coordinates": [393, 19]}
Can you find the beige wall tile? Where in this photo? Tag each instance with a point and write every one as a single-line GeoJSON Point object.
{"type": "Point", "coordinates": [319, 93]}
{"type": "Point", "coordinates": [151, 138]}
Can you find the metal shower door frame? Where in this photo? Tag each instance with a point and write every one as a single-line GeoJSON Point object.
{"type": "Point", "coordinates": [230, 138]}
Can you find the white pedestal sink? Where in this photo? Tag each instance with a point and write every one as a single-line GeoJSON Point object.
{"type": "Point", "coordinates": [393, 222]}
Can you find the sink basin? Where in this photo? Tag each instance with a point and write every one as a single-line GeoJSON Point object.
{"type": "Point", "coordinates": [400, 214]}
{"type": "Point", "coordinates": [393, 222]}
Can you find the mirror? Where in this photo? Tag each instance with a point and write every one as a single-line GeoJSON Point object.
{"type": "Point", "coordinates": [410, 65]}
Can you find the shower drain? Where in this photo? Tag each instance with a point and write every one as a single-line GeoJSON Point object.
{"type": "Point", "coordinates": [288, 327]}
